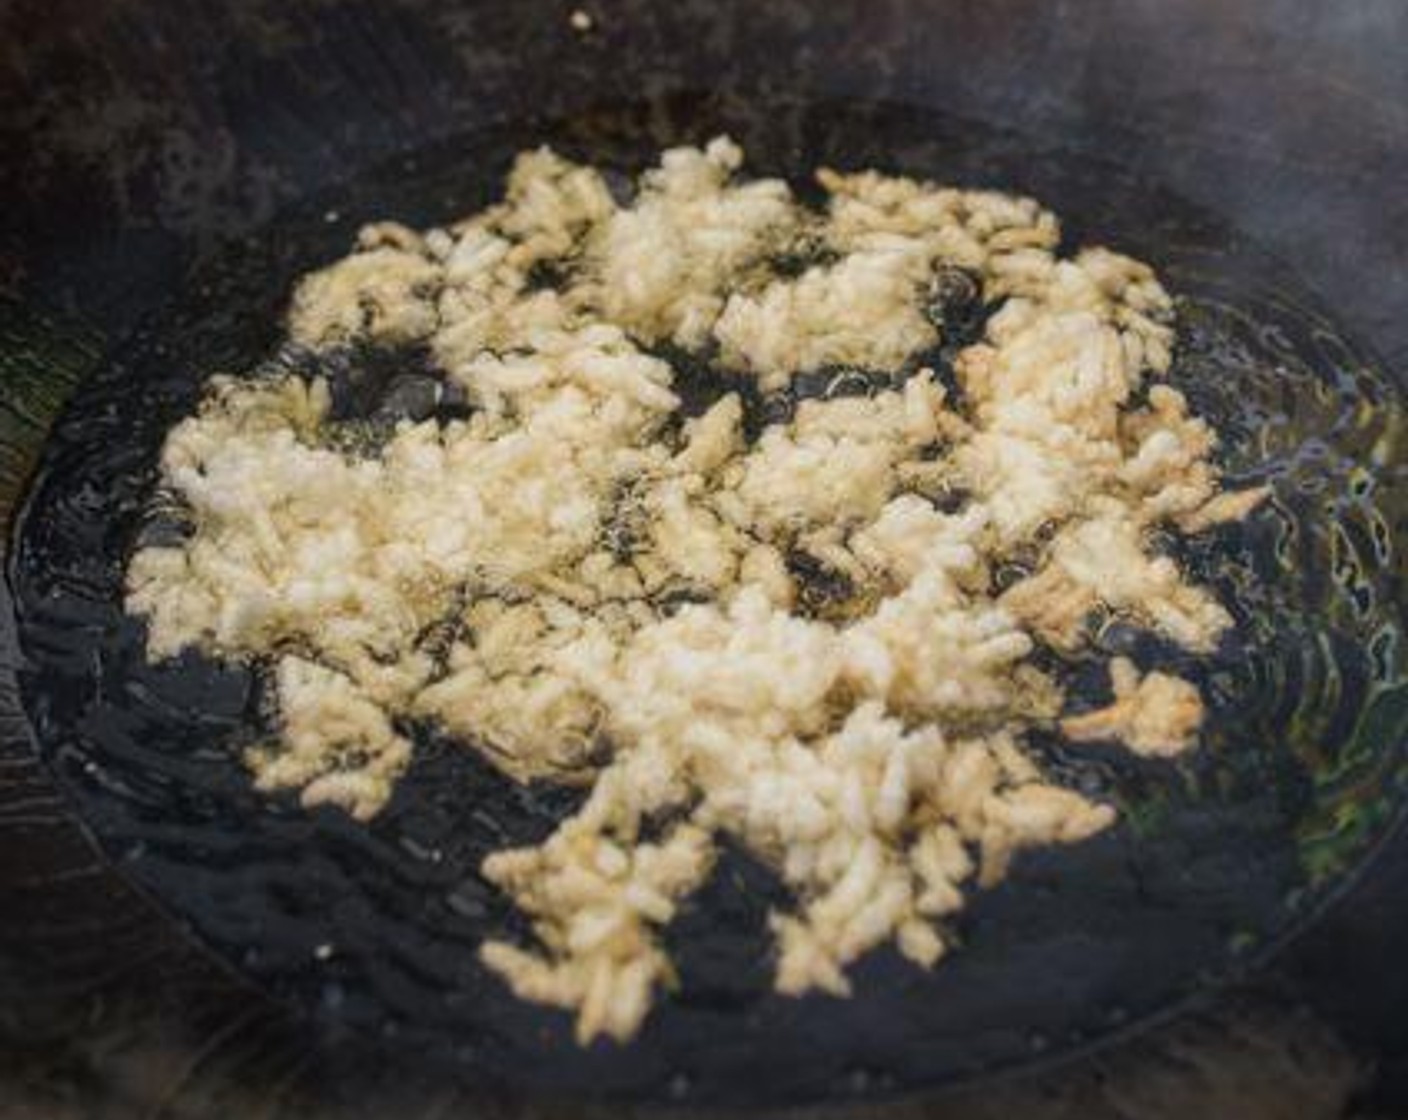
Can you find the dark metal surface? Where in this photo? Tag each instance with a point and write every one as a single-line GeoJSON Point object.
{"type": "Point", "coordinates": [142, 132]}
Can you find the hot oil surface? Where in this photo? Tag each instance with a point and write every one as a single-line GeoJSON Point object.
{"type": "Point", "coordinates": [1214, 860]}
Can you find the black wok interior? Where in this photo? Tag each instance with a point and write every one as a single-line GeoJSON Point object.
{"type": "Point", "coordinates": [177, 165]}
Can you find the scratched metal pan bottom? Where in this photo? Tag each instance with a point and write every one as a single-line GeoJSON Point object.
{"type": "Point", "coordinates": [1216, 861]}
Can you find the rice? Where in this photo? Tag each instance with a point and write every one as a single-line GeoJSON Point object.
{"type": "Point", "coordinates": [797, 639]}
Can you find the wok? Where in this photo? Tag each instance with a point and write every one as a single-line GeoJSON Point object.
{"type": "Point", "coordinates": [176, 167]}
